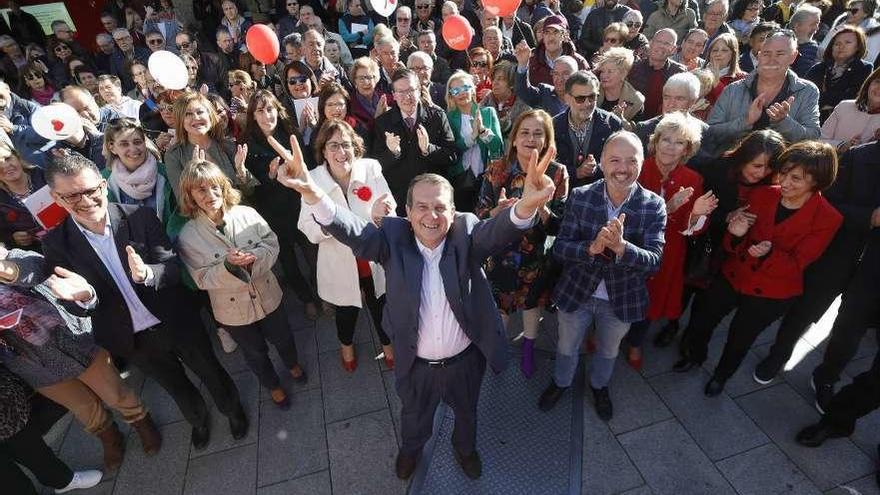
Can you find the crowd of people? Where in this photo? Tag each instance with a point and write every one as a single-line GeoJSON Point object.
{"type": "Point", "coordinates": [611, 162]}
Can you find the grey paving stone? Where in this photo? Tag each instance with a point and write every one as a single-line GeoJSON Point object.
{"type": "Point", "coordinates": [867, 434]}
{"type": "Point", "coordinates": [162, 407]}
{"type": "Point", "coordinates": [862, 486]}
{"type": "Point", "coordinates": [221, 439]}
{"type": "Point", "coordinates": [351, 394]}
{"type": "Point", "coordinates": [362, 453]}
{"type": "Point", "coordinates": [741, 382]}
{"type": "Point", "coordinates": [292, 443]}
{"type": "Point", "coordinates": [54, 438]}
{"type": "Point", "coordinates": [393, 401]}
{"type": "Point", "coordinates": [231, 472]}
{"type": "Point", "coordinates": [81, 450]}
{"type": "Point", "coordinates": [658, 360]}
{"type": "Point", "coordinates": [160, 474]}
{"type": "Point", "coordinates": [717, 424]}
{"type": "Point", "coordinates": [307, 351]}
{"type": "Point", "coordinates": [605, 467]}
{"type": "Point", "coordinates": [780, 412]}
{"type": "Point", "coordinates": [312, 484]}
{"type": "Point", "coordinates": [102, 488]}
{"type": "Point", "coordinates": [671, 462]}
{"type": "Point", "coordinates": [859, 366]}
{"type": "Point", "coordinates": [642, 490]}
{"type": "Point", "coordinates": [635, 404]}
{"type": "Point", "coordinates": [765, 470]}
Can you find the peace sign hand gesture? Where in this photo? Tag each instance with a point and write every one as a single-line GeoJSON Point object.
{"type": "Point", "coordinates": [538, 188]}
{"type": "Point", "coordinates": [292, 172]}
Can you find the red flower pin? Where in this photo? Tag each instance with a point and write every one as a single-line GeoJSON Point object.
{"type": "Point", "coordinates": [363, 193]}
{"type": "Point", "coordinates": [11, 216]}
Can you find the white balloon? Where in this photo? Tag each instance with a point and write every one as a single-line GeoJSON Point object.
{"type": "Point", "coordinates": [56, 122]}
{"type": "Point", "coordinates": [168, 70]}
{"type": "Point", "coordinates": [384, 7]}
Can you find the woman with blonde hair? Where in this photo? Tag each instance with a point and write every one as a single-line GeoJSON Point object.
{"type": "Point", "coordinates": [197, 131]}
{"type": "Point", "coordinates": [356, 184]}
{"type": "Point", "coordinates": [245, 295]}
{"type": "Point", "coordinates": [477, 135]}
{"type": "Point", "coordinates": [675, 141]}
{"type": "Point", "coordinates": [241, 87]}
{"type": "Point", "coordinates": [18, 180]}
{"type": "Point", "coordinates": [521, 279]}
{"type": "Point", "coordinates": [616, 94]}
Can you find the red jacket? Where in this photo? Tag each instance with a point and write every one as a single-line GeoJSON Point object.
{"type": "Point", "coordinates": [797, 241]}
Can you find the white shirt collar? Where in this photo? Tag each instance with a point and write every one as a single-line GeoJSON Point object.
{"type": "Point", "coordinates": [431, 254]}
{"type": "Point", "coordinates": [88, 232]}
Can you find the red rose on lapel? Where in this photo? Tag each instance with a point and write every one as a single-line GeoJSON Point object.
{"type": "Point", "coordinates": [11, 216]}
{"type": "Point", "coordinates": [363, 193]}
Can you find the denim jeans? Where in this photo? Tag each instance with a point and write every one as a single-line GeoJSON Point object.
{"type": "Point", "coordinates": [572, 327]}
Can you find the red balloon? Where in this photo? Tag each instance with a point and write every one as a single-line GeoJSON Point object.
{"type": "Point", "coordinates": [457, 32]}
{"type": "Point", "coordinates": [501, 8]}
{"type": "Point", "coordinates": [262, 43]}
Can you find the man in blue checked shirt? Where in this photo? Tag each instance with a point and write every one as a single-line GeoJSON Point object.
{"type": "Point", "coordinates": [610, 242]}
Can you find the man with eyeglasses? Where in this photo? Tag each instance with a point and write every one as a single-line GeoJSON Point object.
{"type": "Point", "coordinates": [168, 28]}
{"type": "Point", "coordinates": [771, 97]}
{"type": "Point", "coordinates": [403, 32]}
{"type": "Point", "coordinates": [594, 26]}
{"type": "Point", "coordinates": [110, 89]}
{"type": "Point", "coordinates": [649, 74]}
{"type": "Point", "coordinates": [581, 130]}
{"type": "Point", "coordinates": [209, 63]}
{"type": "Point", "coordinates": [421, 63]}
{"type": "Point", "coordinates": [315, 23]}
{"type": "Point", "coordinates": [428, 43]}
{"type": "Point", "coordinates": [155, 41]}
{"type": "Point", "coordinates": [556, 43]}
{"type": "Point", "coordinates": [411, 138]}
{"type": "Point", "coordinates": [114, 263]}
{"type": "Point", "coordinates": [126, 53]}
{"type": "Point", "coordinates": [680, 93]}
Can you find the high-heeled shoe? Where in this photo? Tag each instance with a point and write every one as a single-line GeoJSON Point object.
{"type": "Point", "coordinates": [298, 373]}
{"type": "Point", "coordinates": [280, 398]}
{"type": "Point", "coordinates": [527, 361]}
{"type": "Point", "coordinates": [348, 365]}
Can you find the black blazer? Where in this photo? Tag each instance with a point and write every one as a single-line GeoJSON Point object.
{"type": "Point", "coordinates": [604, 124]}
{"type": "Point", "coordinates": [166, 299]}
{"type": "Point", "coordinates": [399, 170]}
{"type": "Point", "coordinates": [833, 91]}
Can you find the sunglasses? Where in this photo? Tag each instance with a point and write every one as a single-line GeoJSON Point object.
{"type": "Point", "coordinates": [465, 88]}
{"type": "Point", "coordinates": [155, 41]}
{"type": "Point", "coordinates": [61, 48]}
{"type": "Point", "coordinates": [297, 80]}
{"type": "Point", "coordinates": [633, 24]}
{"type": "Point", "coordinates": [184, 46]}
{"type": "Point", "coordinates": [423, 7]}
{"type": "Point", "coordinates": [582, 98]}
{"type": "Point", "coordinates": [480, 64]}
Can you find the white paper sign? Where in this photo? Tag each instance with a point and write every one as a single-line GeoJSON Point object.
{"type": "Point", "coordinates": [44, 208]}
{"type": "Point", "coordinates": [359, 28]}
{"type": "Point", "coordinates": [300, 103]}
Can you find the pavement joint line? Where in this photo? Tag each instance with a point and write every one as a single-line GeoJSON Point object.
{"type": "Point", "coordinates": [260, 487]}
{"type": "Point", "coordinates": [418, 480]}
{"type": "Point", "coordinates": [357, 416]}
{"type": "Point", "coordinates": [576, 444]}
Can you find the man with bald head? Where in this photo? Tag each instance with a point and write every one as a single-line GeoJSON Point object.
{"type": "Point", "coordinates": [610, 241]}
{"type": "Point", "coordinates": [649, 74]}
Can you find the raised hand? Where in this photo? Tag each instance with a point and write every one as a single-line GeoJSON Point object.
{"type": "Point", "coordinates": [587, 167]}
{"type": "Point", "coordinates": [679, 199]}
{"type": "Point", "coordinates": [478, 122]}
{"type": "Point", "coordinates": [392, 142]}
{"type": "Point", "coordinates": [705, 204]}
{"type": "Point", "coordinates": [779, 111]}
{"type": "Point", "coordinates": [538, 188]}
{"type": "Point", "coordinates": [523, 54]}
{"type": "Point", "coordinates": [615, 240]}
{"type": "Point", "coordinates": [69, 286]}
{"type": "Point", "coordinates": [382, 207]}
{"type": "Point", "coordinates": [424, 140]}
{"type": "Point", "coordinates": [503, 202]}
{"type": "Point", "coordinates": [756, 109]}
{"type": "Point", "coordinates": [136, 265]}
{"type": "Point", "coordinates": [292, 171]}
{"type": "Point", "coordinates": [382, 106]}
{"type": "Point", "coordinates": [241, 152]}
{"type": "Point", "coordinates": [760, 249]}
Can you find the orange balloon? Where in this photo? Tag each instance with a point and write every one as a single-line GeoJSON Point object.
{"type": "Point", "coordinates": [457, 32]}
{"type": "Point", "coordinates": [262, 43]}
{"type": "Point", "coordinates": [501, 8]}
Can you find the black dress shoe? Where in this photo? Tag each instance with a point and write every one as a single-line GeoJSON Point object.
{"type": "Point", "coordinates": [684, 365]}
{"type": "Point", "coordinates": [666, 335]}
{"type": "Point", "coordinates": [405, 466]}
{"type": "Point", "coordinates": [238, 425]}
{"type": "Point", "coordinates": [550, 396]}
{"type": "Point", "coordinates": [470, 464]}
{"type": "Point", "coordinates": [201, 435]}
{"type": "Point", "coordinates": [824, 393]}
{"type": "Point", "coordinates": [767, 370]}
{"type": "Point", "coordinates": [815, 435]}
{"type": "Point", "coordinates": [602, 399]}
{"type": "Point", "coordinates": [714, 387]}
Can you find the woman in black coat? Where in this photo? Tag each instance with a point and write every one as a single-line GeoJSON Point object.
{"type": "Point", "coordinates": [842, 71]}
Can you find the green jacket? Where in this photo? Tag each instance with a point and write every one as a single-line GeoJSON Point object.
{"type": "Point", "coordinates": [490, 149]}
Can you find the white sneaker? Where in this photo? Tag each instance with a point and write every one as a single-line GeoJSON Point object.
{"type": "Point", "coordinates": [229, 346]}
{"type": "Point", "coordinates": [82, 479]}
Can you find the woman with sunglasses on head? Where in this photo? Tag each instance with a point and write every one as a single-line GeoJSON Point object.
{"type": "Point", "coordinates": [842, 70]}
{"type": "Point", "coordinates": [245, 295]}
{"type": "Point", "coordinates": [18, 180]}
{"type": "Point", "coordinates": [477, 135]}
{"type": "Point", "coordinates": [356, 184]}
{"type": "Point", "coordinates": [520, 277]}
{"type": "Point", "coordinates": [36, 84]}
{"type": "Point", "coordinates": [199, 134]}
{"type": "Point", "coordinates": [266, 118]}
{"type": "Point", "coordinates": [480, 63]}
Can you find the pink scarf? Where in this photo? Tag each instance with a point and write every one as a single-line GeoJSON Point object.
{"type": "Point", "coordinates": [140, 183]}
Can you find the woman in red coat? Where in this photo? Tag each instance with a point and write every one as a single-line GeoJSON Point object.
{"type": "Point", "coordinates": [784, 229]}
{"type": "Point", "coordinates": [675, 140]}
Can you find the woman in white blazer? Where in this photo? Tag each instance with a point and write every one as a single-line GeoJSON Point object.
{"type": "Point", "coordinates": [357, 184]}
{"type": "Point", "coordinates": [229, 250]}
